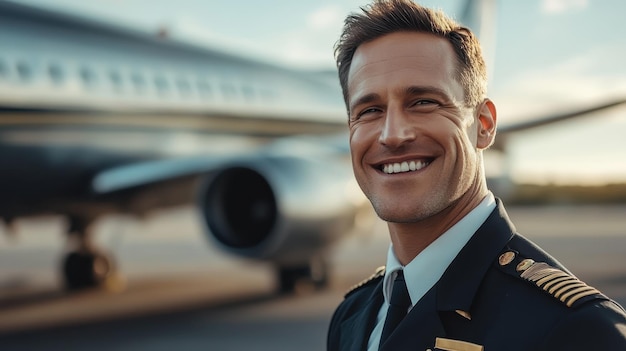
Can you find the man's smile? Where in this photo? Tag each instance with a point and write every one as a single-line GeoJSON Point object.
{"type": "Point", "coordinates": [405, 166]}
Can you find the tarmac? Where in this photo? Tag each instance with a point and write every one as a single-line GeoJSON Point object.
{"type": "Point", "coordinates": [179, 292]}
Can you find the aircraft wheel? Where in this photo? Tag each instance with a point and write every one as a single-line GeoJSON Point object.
{"type": "Point", "coordinates": [318, 273]}
{"type": "Point", "coordinates": [315, 273]}
{"type": "Point", "coordinates": [86, 269]}
{"type": "Point", "coordinates": [288, 277]}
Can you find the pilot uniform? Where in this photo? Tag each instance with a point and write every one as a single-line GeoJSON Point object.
{"type": "Point", "coordinates": [500, 293]}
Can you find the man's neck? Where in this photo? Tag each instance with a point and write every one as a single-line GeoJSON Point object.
{"type": "Point", "coordinates": [409, 239]}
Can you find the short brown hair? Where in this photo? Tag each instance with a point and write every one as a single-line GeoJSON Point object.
{"type": "Point", "coordinates": [383, 17]}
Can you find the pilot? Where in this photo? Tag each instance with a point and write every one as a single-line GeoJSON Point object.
{"type": "Point", "coordinates": [457, 276]}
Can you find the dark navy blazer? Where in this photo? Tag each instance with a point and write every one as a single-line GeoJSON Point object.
{"type": "Point", "coordinates": [485, 299]}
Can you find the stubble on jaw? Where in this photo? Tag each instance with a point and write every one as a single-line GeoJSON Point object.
{"type": "Point", "coordinates": [422, 209]}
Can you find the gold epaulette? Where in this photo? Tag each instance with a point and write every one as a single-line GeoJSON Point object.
{"type": "Point", "coordinates": [380, 271]}
{"type": "Point", "coordinates": [559, 284]}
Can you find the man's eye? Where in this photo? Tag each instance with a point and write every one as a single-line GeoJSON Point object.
{"type": "Point", "coordinates": [424, 105]}
{"type": "Point", "coordinates": [367, 112]}
{"type": "Point", "coordinates": [424, 102]}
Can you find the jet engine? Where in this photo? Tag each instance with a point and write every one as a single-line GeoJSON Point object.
{"type": "Point", "coordinates": [283, 209]}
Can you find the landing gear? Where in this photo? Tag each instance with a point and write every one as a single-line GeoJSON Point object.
{"type": "Point", "coordinates": [84, 266]}
{"type": "Point", "coordinates": [314, 274]}
{"type": "Point", "coordinates": [86, 269]}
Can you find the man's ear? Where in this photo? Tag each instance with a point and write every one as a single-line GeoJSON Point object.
{"type": "Point", "coordinates": [486, 130]}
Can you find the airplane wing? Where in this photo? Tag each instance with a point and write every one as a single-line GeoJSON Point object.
{"type": "Point", "coordinates": [543, 120]}
{"type": "Point", "coordinates": [558, 117]}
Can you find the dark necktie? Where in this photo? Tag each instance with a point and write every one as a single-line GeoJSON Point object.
{"type": "Point", "coordinates": [398, 307]}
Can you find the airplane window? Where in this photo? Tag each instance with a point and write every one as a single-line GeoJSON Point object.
{"type": "Point", "coordinates": [267, 94]}
{"type": "Point", "coordinates": [24, 70]}
{"type": "Point", "coordinates": [204, 87]}
{"type": "Point", "coordinates": [4, 69]}
{"type": "Point", "coordinates": [138, 80]}
{"type": "Point", "coordinates": [116, 79]}
{"type": "Point", "coordinates": [56, 73]}
{"type": "Point", "coordinates": [161, 84]}
{"type": "Point", "coordinates": [248, 92]}
{"type": "Point", "coordinates": [88, 76]}
{"type": "Point", "coordinates": [228, 91]}
{"type": "Point", "coordinates": [183, 86]}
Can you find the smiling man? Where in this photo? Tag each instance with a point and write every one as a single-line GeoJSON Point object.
{"type": "Point", "coordinates": [458, 276]}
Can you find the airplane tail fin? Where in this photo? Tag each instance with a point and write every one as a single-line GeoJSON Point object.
{"type": "Point", "coordinates": [480, 17]}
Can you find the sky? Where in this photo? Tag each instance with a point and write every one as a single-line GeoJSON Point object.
{"type": "Point", "coordinates": [550, 56]}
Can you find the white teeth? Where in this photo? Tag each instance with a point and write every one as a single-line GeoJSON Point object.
{"type": "Point", "coordinates": [405, 166]}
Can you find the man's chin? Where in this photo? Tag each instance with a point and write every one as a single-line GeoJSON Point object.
{"type": "Point", "coordinates": [410, 212]}
{"type": "Point", "coordinates": [402, 215]}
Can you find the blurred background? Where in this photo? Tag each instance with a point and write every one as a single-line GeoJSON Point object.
{"type": "Point", "coordinates": [565, 182]}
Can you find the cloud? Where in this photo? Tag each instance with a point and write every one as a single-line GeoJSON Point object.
{"type": "Point", "coordinates": [597, 75]}
{"type": "Point", "coordinates": [189, 28]}
{"type": "Point", "coordinates": [325, 17]}
{"type": "Point", "coordinates": [312, 45]}
{"type": "Point", "coordinates": [554, 7]}
{"type": "Point", "coordinates": [307, 46]}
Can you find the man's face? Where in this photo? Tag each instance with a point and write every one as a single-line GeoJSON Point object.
{"type": "Point", "coordinates": [413, 141]}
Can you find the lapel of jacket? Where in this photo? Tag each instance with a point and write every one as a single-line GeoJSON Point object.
{"type": "Point", "coordinates": [458, 286]}
{"type": "Point", "coordinates": [360, 325]}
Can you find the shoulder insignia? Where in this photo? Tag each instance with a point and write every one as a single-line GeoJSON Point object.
{"type": "Point", "coordinates": [380, 271]}
{"type": "Point", "coordinates": [561, 285]}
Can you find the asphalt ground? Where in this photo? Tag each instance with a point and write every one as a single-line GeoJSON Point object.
{"type": "Point", "coordinates": [179, 292]}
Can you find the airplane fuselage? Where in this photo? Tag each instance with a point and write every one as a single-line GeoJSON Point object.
{"type": "Point", "coordinates": [78, 97]}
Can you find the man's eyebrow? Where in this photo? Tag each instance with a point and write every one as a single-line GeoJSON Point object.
{"type": "Point", "coordinates": [365, 99]}
{"type": "Point", "coordinates": [421, 90]}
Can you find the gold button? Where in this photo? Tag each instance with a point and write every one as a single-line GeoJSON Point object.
{"type": "Point", "coordinates": [506, 258]}
{"type": "Point", "coordinates": [522, 266]}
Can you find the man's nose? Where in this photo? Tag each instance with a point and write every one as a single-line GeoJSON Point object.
{"type": "Point", "coordinates": [397, 130]}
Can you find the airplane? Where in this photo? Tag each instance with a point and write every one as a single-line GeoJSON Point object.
{"type": "Point", "coordinates": [97, 119]}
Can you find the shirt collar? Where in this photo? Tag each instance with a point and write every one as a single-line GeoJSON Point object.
{"type": "Point", "coordinates": [427, 268]}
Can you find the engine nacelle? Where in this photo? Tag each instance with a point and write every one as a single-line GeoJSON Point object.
{"type": "Point", "coordinates": [280, 208]}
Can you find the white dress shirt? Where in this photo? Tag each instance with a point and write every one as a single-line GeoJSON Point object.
{"type": "Point", "coordinates": [427, 268]}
